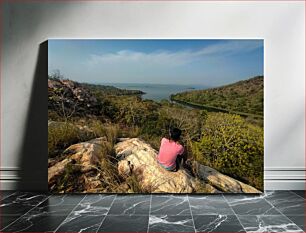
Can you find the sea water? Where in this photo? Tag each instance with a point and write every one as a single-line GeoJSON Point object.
{"type": "Point", "coordinates": [157, 92]}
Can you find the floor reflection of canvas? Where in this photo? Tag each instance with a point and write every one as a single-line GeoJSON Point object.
{"type": "Point", "coordinates": [155, 116]}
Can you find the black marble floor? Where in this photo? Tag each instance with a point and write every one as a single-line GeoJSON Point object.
{"type": "Point", "coordinates": [273, 211]}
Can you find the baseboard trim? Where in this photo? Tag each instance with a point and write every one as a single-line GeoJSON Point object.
{"type": "Point", "coordinates": [284, 184]}
{"type": "Point", "coordinates": [3, 169]}
{"type": "Point", "coordinates": [284, 169]}
{"type": "Point", "coordinates": [8, 184]}
{"type": "Point", "coordinates": [285, 174]}
{"type": "Point", "coordinates": [275, 178]}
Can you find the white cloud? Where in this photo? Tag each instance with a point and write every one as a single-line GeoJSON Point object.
{"type": "Point", "coordinates": [153, 58]}
{"type": "Point", "coordinates": [170, 58]}
{"type": "Point", "coordinates": [231, 47]}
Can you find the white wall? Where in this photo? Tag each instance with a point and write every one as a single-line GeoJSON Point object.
{"type": "Point", "coordinates": [281, 24]}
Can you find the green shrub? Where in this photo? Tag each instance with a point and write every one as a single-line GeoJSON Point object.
{"type": "Point", "coordinates": [60, 136]}
{"type": "Point", "coordinates": [63, 134]}
{"type": "Point", "coordinates": [232, 146]}
{"type": "Point", "coordinates": [245, 96]}
{"type": "Point", "coordinates": [110, 131]}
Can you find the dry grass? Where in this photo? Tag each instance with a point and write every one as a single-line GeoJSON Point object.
{"type": "Point", "coordinates": [60, 136]}
{"type": "Point", "coordinates": [106, 171]}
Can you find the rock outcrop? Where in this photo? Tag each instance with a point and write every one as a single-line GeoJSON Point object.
{"type": "Point", "coordinates": [68, 97]}
{"type": "Point", "coordinates": [89, 166]}
{"type": "Point", "coordinates": [138, 158]}
{"type": "Point", "coordinates": [83, 159]}
{"type": "Point", "coordinates": [221, 181]}
{"type": "Point", "coordinates": [57, 131]}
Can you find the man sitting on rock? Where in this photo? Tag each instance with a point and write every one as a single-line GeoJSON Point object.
{"type": "Point", "coordinates": [171, 152]}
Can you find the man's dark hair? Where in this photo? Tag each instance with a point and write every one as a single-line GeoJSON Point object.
{"type": "Point", "coordinates": [175, 134]}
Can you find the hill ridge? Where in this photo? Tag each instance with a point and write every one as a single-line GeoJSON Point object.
{"type": "Point", "coordinates": [244, 97]}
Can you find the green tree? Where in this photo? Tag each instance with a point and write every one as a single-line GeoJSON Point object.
{"type": "Point", "coordinates": [233, 146]}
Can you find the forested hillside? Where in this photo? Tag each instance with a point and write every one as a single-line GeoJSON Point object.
{"type": "Point", "coordinates": [86, 122]}
{"type": "Point", "coordinates": [110, 90]}
{"type": "Point", "coordinates": [241, 97]}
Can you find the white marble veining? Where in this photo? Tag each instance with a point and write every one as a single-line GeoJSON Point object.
{"type": "Point", "coordinates": [164, 220]}
{"type": "Point", "coordinates": [251, 205]}
{"type": "Point", "coordinates": [209, 205]}
{"type": "Point", "coordinates": [214, 224]}
{"type": "Point", "coordinates": [279, 211]}
{"type": "Point", "coordinates": [217, 223]}
{"type": "Point", "coordinates": [272, 223]}
{"type": "Point", "coordinates": [80, 223]}
{"type": "Point", "coordinates": [287, 202]}
{"type": "Point", "coordinates": [165, 223]}
{"type": "Point", "coordinates": [170, 205]}
{"type": "Point", "coordinates": [29, 199]}
{"type": "Point", "coordinates": [94, 205]}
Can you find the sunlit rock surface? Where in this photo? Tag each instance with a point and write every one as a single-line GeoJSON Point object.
{"type": "Point", "coordinates": [139, 158]}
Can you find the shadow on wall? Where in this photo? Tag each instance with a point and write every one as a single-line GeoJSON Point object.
{"type": "Point", "coordinates": [34, 151]}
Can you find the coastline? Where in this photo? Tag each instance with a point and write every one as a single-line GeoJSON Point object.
{"type": "Point", "coordinates": [213, 109]}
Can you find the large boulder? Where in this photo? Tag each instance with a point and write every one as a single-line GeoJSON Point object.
{"type": "Point", "coordinates": [85, 158]}
{"type": "Point", "coordinates": [69, 98]}
{"type": "Point", "coordinates": [87, 166]}
{"type": "Point", "coordinates": [221, 181]}
{"type": "Point", "coordinates": [63, 134]}
{"type": "Point", "coordinates": [139, 159]}
{"type": "Point", "coordinates": [87, 154]}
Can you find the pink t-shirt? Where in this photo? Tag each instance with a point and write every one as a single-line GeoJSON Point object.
{"type": "Point", "coordinates": [168, 152]}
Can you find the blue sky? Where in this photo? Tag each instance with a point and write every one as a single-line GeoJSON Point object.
{"type": "Point", "coordinates": [186, 62]}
